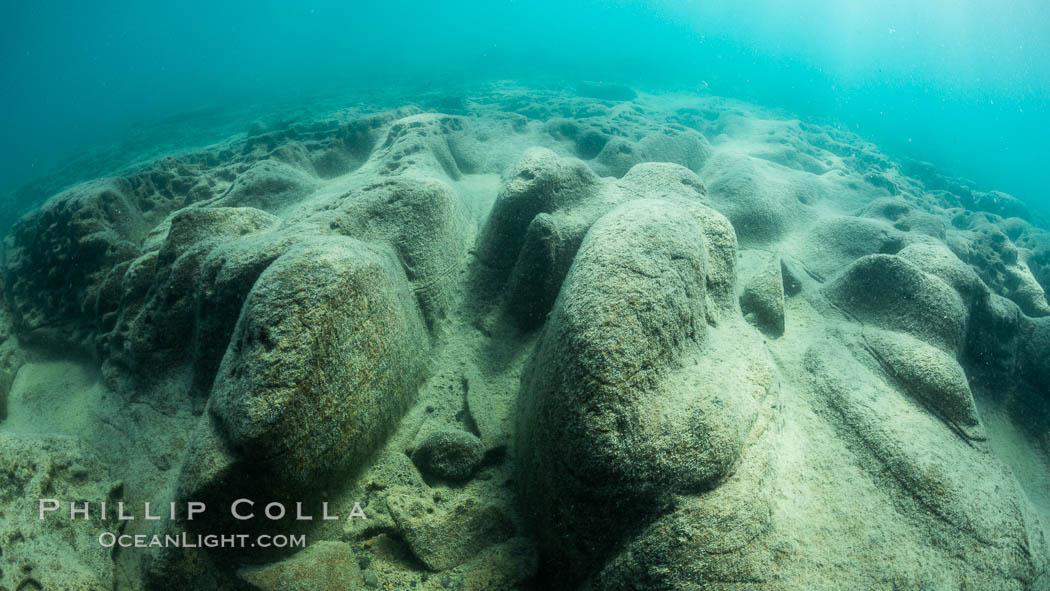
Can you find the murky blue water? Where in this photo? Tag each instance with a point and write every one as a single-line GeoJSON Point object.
{"type": "Point", "coordinates": [960, 83]}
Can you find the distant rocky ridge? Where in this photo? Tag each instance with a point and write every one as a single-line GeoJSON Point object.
{"type": "Point", "coordinates": [547, 341]}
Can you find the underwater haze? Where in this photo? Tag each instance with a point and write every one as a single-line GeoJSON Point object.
{"type": "Point", "coordinates": [962, 84]}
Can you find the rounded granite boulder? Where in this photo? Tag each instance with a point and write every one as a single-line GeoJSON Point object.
{"type": "Point", "coordinates": [888, 292]}
{"type": "Point", "coordinates": [628, 398]}
{"type": "Point", "coordinates": [326, 356]}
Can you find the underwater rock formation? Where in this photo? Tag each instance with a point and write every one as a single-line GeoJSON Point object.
{"type": "Point", "coordinates": [885, 290]}
{"type": "Point", "coordinates": [324, 359]}
{"type": "Point", "coordinates": [452, 455]}
{"type": "Point", "coordinates": [623, 406]}
{"type": "Point", "coordinates": [602, 340]}
{"type": "Point", "coordinates": [763, 298]}
{"type": "Point", "coordinates": [43, 547]}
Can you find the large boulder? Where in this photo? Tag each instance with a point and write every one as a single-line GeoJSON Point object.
{"type": "Point", "coordinates": [833, 242]}
{"type": "Point", "coordinates": [887, 291]}
{"type": "Point", "coordinates": [431, 145]}
{"type": "Point", "coordinates": [325, 358]}
{"type": "Point", "coordinates": [163, 297]}
{"type": "Point", "coordinates": [539, 183]}
{"type": "Point", "coordinates": [938, 260]}
{"type": "Point", "coordinates": [422, 220]}
{"type": "Point", "coordinates": [541, 216]}
{"type": "Point", "coordinates": [622, 403]}
{"type": "Point", "coordinates": [762, 204]}
{"type": "Point", "coordinates": [957, 493]}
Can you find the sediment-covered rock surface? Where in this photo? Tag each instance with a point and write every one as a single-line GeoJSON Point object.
{"type": "Point", "coordinates": [553, 340]}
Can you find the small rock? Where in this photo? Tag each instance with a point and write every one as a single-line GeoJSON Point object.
{"type": "Point", "coordinates": [449, 454]}
{"type": "Point", "coordinates": [370, 578]}
{"type": "Point", "coordinates": [792, 283]}
{"type": "Point", "coordinates": [764, 298]}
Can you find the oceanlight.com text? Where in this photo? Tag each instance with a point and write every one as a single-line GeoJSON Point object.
{"type": "Point", "coordinates": [186, 540]}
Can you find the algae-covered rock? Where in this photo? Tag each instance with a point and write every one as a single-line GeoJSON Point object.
{"type": "Point", "coordinates": [889, 292]}
{"type": "Point", "coordinates": [322, 566]}
{"type": "Point", "coordinates": [269, 185]}
{"type": "Point", "coordinates": [434, 144]}
{"type": "Point", "coordinates": [325, 358]}
{"type": "Point", "coordinates": [539, 183]}
{"type": "Point", "coordinates": [624, 401]}
{"type": "Point", "coordinates": [422, 220]}
{"type": "Point", "coordinates": [722, 537]}
{"type": "Point", "coordinates": [62, 253]}
{"type": "Point", "coordinates": [540, 219]}
{"type": "Point", "coordinates": [939, 261]}
{"type": "Point", "coordinates": [1000, 203]}
{"type": "Point", "coordinates": [986, 247]}
{"type": "Point", "coordinates": [633, 302]}
{"type": "Point", "coordinates": [684, 147]}
{"type": "Point", "coordinates": [836, 241]}
{"type": "Point", "coordinates": [11, 360]}
{"type": "Point", "coordinates": [763, 297]}
{"type": "Point", "coordinates": [167, 297]}
{"type": "Point", "coordinates": [962, 496]}
{"type": "Point", "coordinates": [1034, 348]}
{"type": "Point", "coordinates": [930, 375]}
{"type": "Point", "coordinates": [762, 205]}
{"type": "Point", "coordinates": [905, 217]}
{"type": "Point", "coordinates": [449, 454]}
